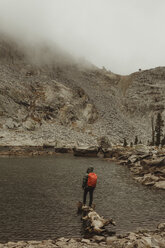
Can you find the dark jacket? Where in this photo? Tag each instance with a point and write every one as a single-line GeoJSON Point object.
{"type": "Point", "coordinates": [85, 180]}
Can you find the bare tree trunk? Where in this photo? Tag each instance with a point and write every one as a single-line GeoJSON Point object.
{"type": "Point", "coordinates": [153, 130]}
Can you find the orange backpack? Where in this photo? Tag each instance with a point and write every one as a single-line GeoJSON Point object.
{"type": "Point", "coordinates": [92, 179]}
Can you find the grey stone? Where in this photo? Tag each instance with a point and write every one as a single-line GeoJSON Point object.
{"type": "Point", "coordinates": [61, 243]}
{"type": "Point", "coordinates": [86, 241]}
{"type": "Point", "coordinates": [133, 158]}
{"type": "Point", "coordinates": [161, 226]}
{"type": "Point", "coordinates": [9, 124]}
{"type": "Point", "coordinates": [63, 239]}
{"type": "Point", "coordinates": [142, 149]}
{"type": "Point", "coordinates": [110, 240]}
{"type": "Point", "coordinates": [34, 242]}
{"type": "Point", "coordinates": [98, 238]}
{"type": "Point", "coordinates": [21, 244]}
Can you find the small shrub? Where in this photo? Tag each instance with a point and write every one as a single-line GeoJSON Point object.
{"type": "Point", "coordinates": [136, 140]}
{"type": "Point", "coordinates": [125, 142]}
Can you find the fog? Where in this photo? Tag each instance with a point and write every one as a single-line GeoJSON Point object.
{"type": "Point", "coordinates": [121, 35]}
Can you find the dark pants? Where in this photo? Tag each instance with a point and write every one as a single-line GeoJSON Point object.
{"type": "Point", "coordinates": [90, 190]}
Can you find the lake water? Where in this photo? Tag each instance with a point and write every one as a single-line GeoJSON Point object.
{"type": "Point", "coordinates": [38, 197]}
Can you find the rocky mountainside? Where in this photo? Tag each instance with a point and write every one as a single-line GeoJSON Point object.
{"type": "Point", "coordinates": [49, 98]}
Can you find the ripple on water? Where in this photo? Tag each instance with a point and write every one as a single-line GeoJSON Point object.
{"type": "Point", "coordinates": [38, 197]}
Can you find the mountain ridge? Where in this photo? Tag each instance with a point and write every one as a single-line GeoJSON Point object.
{"type": "Point", "coordinates": [70, 102]}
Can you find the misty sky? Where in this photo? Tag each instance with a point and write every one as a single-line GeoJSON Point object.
{"type": "Point", "coordinates": [122, 35]}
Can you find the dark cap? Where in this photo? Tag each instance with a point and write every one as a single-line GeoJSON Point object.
{"type": "Point", "coordinates": [90, 169]}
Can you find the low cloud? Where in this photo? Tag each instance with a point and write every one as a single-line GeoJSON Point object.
{"type": "Point", "coordinates": [121, 35]}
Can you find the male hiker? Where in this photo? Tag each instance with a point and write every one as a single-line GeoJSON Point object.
{"type": "Point", "coordinates": [89, 184]}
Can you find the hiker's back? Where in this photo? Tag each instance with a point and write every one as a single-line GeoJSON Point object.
{"type": "Point", "coordinates": [92, 180]}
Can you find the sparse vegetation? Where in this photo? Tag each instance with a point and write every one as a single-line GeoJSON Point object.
{"type": "Point", "coordinates": [136, 140]}
{"type": "Point", "coordinates": [159, 129]}
{"type": "Point", "coordinates": [163, 141]}
{"type": "Point", "coordinates": [153, 130]}
{"type": "Point", "coordinates": [125, 142]}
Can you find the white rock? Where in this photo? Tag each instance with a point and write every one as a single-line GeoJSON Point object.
{"type": "Point", "coordinates": [142, 149]}
{"type": "Point", "coordinates": [160, 184]}
{"type": "Point", "coordinates": [86, 241]}
{"type": "Point", "coordinates": [148, 241]}
{"type": "Point", "coordinates": [110, 240]}
{"type": "Point", "coordinates": [9, 124]}
{"type": "Point", "coordinates": [63, 239]}
{"type": "Point", "coordinates": [99, 238]}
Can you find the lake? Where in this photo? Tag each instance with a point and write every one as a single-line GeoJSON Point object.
{"type": "Point", "coordinates": [38, 197]}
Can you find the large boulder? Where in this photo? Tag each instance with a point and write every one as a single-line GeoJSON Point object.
{"type": "Point", "coordinates": [85, 151]}
{"type": "Point", "coordinates": [141, 149]}
{"type": "Point", "coordinates": [30, 124]}
{"type": "Point", "coordinates": [153, 164]}
{"type": "Point", "coordinates": [133, 158]}
{"type": "Point", "coordinates": [160, 184]}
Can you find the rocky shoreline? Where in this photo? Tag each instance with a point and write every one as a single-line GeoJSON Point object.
{"type": "Point", "coordinates": [146, 164]}
{"type": "Point", "coordinates": [32, 150]}
{"type": "Point", "coordinates": [140, 239]}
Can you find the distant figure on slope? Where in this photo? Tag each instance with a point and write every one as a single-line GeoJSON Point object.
{"type": "Point", "coordinates": [89, 184]}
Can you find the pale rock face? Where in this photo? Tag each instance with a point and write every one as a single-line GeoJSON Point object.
{"type": "Point", "coordinates": [48, 104]}
{"type": "Point", "coordinates": [9, 124]}
{"type": "Point", "coordinates": [29, 124]}
{"type": "Point", "coordinates": [89, 113]}
{"type": "Point", "coordinates": [36, 94]}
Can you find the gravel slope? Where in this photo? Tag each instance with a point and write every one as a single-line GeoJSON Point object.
{"type": "Point", "coordinates": [65, 102]}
